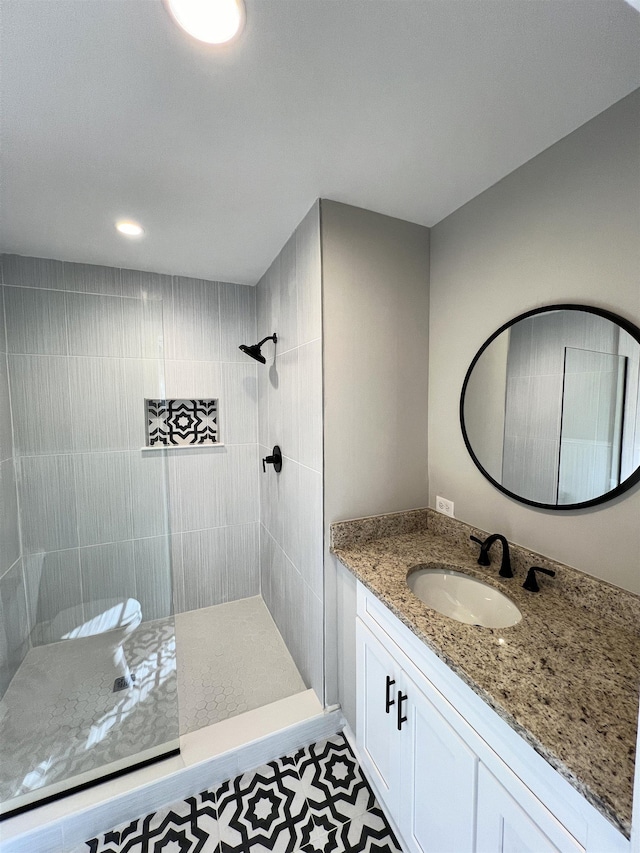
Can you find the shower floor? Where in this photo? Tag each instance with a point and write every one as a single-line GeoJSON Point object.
{"type": "Point", "coordinates": [61, 724]}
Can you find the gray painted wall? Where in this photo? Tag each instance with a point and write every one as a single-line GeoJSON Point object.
{"type": "Point", "coordinates": [290, 415]}
{"type": "Point", "coordinates": [562, 228]}
{"type": "Point", "coordinates": [375, 277]}
{"type": "Point", "coordinates": [99, 517]}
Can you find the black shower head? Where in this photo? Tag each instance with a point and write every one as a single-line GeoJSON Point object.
{"type": "Point", "coordinates": [254, 349]}
{"type": "Point", "coordinates": [254, 352]}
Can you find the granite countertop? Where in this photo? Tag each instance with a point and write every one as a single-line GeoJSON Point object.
{"type": "Point", "coordinates": [566, 677]}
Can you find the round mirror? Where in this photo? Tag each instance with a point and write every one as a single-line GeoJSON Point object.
{"type": "Point", "coordinates": [550, 407]}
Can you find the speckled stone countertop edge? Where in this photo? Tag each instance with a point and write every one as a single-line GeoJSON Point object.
{"type": "Point", "coordinates": [348, 538]}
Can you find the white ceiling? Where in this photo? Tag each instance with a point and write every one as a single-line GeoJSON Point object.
{"type": "Point", "coordinates": [406, 107]}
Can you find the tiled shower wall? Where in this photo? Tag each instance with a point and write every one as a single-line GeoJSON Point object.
{"type": "Point", "coordinates": [290, 415]}
{"type": "Point", "coordinates": [14, 631]}
{"type": "Point", "coordinates": [85, 346]}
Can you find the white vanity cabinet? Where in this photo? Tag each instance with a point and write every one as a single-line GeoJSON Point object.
{"type": "Point", "coordinates": [453, 776]}
{"type": "Point", "coordinates": [424, 772]}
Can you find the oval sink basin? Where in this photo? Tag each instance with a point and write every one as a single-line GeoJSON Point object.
{"type": "Point", "coordinates": [462, 597]}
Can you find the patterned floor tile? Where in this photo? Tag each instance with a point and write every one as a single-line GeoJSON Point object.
{"type": "Point", "coordinates": [315, 800]}
{"type": "Point", "coordinates": [188, 826]}
{"type": "Point", "coordinates": [265, 809]}
{"type": "Point", "coordinates": [333, 783]}
{"type": "Point", "coordinates": [368, 833]}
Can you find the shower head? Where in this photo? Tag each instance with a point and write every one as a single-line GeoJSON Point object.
{"type": "Point", "coordinates": [254, 349]}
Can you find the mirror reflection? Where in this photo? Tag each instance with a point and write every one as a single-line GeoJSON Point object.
{"type": "Point", "coordinates": [550, 407]}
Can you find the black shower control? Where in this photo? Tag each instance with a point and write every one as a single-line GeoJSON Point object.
{"type": "Point", "coordinates": [275, 459]}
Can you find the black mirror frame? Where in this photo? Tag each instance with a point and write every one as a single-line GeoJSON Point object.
{"type": "Point", "coordinates": [627, 484]}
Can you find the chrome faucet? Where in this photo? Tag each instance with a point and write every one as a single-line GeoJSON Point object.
{"type": "Point", "coordinates": [483, 558]}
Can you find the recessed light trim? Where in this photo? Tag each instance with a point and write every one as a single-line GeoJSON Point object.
{"type": "Point", "coordinates": [129, 228]}
{"type": "Point", "coordinates": [210, 21]}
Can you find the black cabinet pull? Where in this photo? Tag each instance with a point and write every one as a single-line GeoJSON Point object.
{"type": "Point", "coordinates": [401, 698]}
{"type": "Point", "coordinates": [388, 700]}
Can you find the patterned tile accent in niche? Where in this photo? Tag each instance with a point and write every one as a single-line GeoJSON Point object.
{"type": "Point", "coordinates": [180, 423]}
{"type": "Point", "coordinates": [316, 801]}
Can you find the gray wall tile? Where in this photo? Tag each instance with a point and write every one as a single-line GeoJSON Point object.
{"type": "Point", "coordinates": [239, 404]}
{"type": "Point", "coordinates": [149, 493]}
{"type": "Point", "coordinates": [103, 490]}
{"type": "Point", "coordinates": [138, 284]}
{"type": "Point", "coordinates": [153, 573]}
{"type": "Point", "coordinates": [198, 481]}
{"type": "Point", "coordinates": [6, 437]}
{"type": "Point", "coordinates": [9, 531]}
{"type": "Point", "coordinates": [193, 380]}
{"type": "Point", "coordinates": [237, 320]}
{"type": "Point", "coordinates": [14, 639]}
{"type": "Point", "coordinates": [53, 587]}
{"type": "Point", "coordinates": [108, 572]}
{"type": "Point", "coordinates": [293, 626]}
{"type": "Point", "coordinates": [36, 321]}
{"type": "Point", "coordinates": [177, 572]}
{"type": "Point", "coordinates": [310, 562]}
{"type": "Point", "coordinates": [274, 408]}
{"type": "Point", "coordinates": [268, 302]}
{"type": "Point", "coordinates": [286, 325]}
{"type": "Point", "coordinates": [243, 560]}
{"type": "Point", "coordinates": [290, 414]}
{"type": "Point", "coordinates": [3, 340]}
{"type": "Point", "coordinates": [95, 325]}
{"type": "Point", "coordinates": [312, 670]}
{"type": "Point", "coordinates": [40, 404]}
{"type": "Point", "coordinates": [241, 503]}
{"type": "Point", "coordinates": [286, 399]}
{"type": "Point", "coordinates": [90, 278]}
{"type": "Point", "coordinates": [32, 272]}
{"type": "Point", "coordinates": [205, 568]}
{"type": "Point", "coordinates": [101, 403]}
{"type": "Point", "coordinates": [291, 508]}
{"type": "Point", "coordinates": [263, 406]}
{"type": "Point", "coordinates": [309, 399]}
{"type": "Point", "coordinates": [273, 489]}
{"type": "Point", "coordinates": [153, 317]}
{"type": "Point", "coordinates": [194, 332]}
{"type": "Point", "coordinates": [46, 486]}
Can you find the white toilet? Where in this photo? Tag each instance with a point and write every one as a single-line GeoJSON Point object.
{"type": "Point", "coordinates": [97, 642]}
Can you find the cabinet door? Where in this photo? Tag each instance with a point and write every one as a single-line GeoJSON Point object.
{"type": "Point", "coordinates": [517, 822]}
{"type": "Point", "coordinates": [378, 738]}
{"type": "Point", "coordinates": [439, 779]}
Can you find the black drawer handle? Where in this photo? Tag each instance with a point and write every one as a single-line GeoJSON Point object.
{"type": "Point", "coordinates": [388, 700]}
{"type": "Point", "coordinates": [401, 698]}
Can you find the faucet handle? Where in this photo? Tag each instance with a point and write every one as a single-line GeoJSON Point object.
{"type": "Point", "coordinates": [483, 558]}
{"type": "Point", "coordinates": [531, 582]}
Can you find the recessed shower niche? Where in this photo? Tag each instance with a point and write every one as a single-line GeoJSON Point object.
{"type": "Point", "coordinates": [182, 423]}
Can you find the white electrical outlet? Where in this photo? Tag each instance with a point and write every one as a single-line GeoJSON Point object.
{"type": "Point", "coordinates": [444, 506]}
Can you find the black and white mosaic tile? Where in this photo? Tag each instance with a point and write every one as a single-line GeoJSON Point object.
{"type": "Point", "coordinates": [316, 800]}
{"type": "Point", "coordinates": [179, 423]}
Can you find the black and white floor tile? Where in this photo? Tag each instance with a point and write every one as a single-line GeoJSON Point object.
{"type": "Point", "coordinates": [315, 801]}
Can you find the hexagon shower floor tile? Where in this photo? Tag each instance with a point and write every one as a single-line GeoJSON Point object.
{"type": "Point", "coordinates": [316, 800]}
{"type": "Point", "coordinates": [230, 659]}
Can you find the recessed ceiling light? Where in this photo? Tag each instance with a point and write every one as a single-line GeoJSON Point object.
{"type": "Point", "coordinates": [129, 228]}
{"type": "Point", "coordinates": [211, 21]}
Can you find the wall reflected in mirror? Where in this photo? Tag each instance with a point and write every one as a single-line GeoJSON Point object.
{"type": "Point", "coordinates": [550, 407]}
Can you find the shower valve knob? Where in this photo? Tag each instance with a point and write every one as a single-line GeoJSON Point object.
{"type": "Point", "coordinates": [275, 459]}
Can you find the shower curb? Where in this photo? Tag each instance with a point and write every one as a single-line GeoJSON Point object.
{"type": "Point", "coordinates": [65, 834]}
